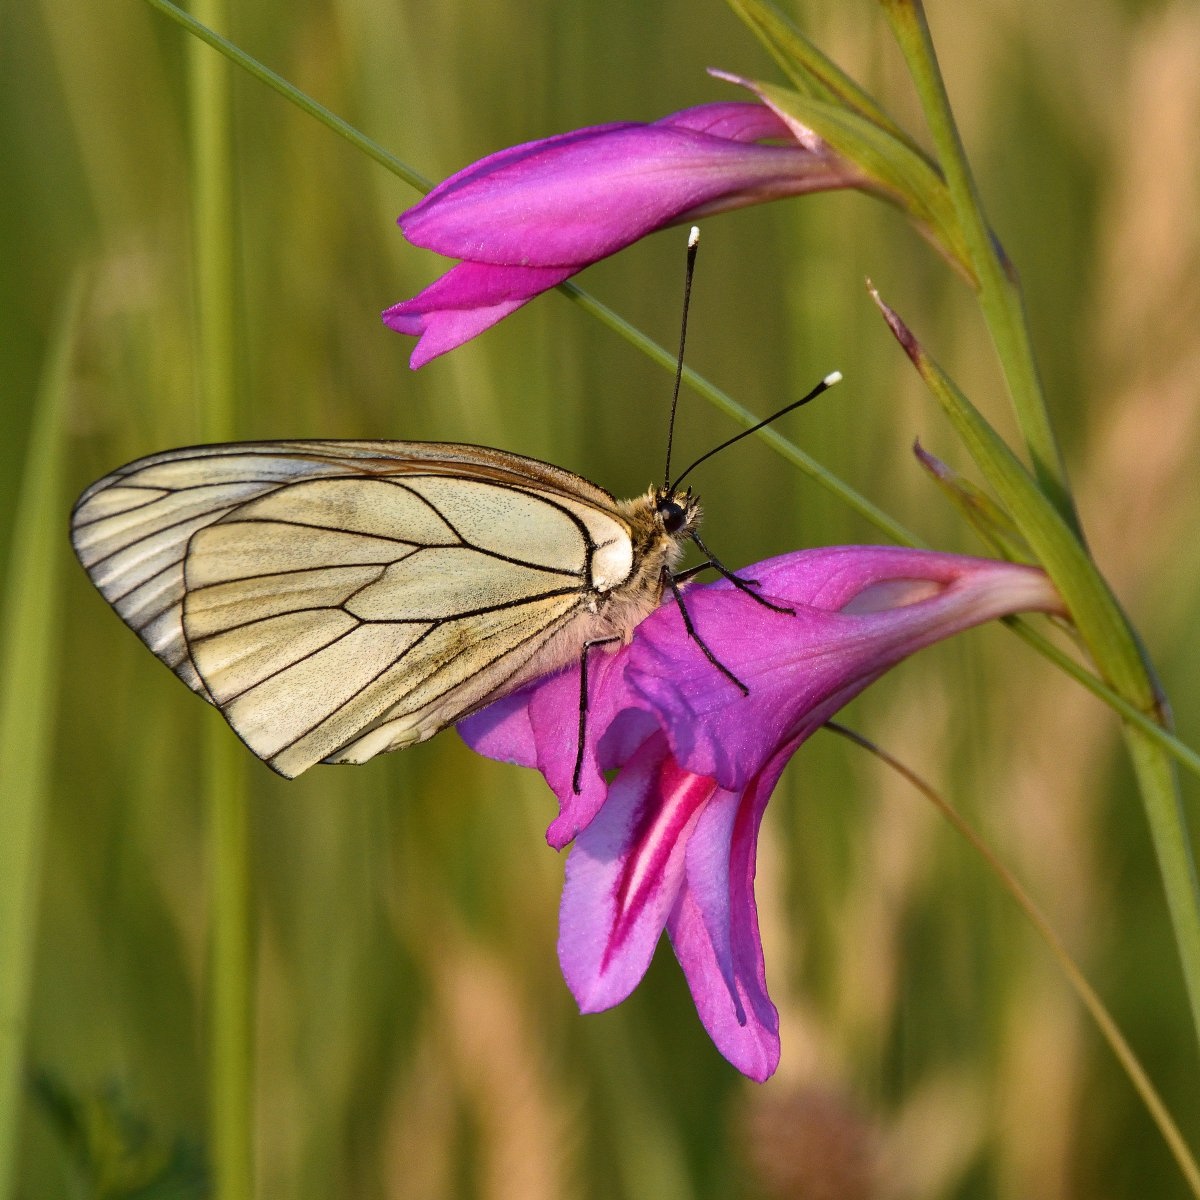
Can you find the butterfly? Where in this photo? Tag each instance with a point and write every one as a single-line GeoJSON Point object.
{"type": "Point", "coordinates": [339, 599]}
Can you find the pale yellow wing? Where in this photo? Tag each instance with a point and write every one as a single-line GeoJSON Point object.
{"type": "Point", "coordinates": [338, 599]}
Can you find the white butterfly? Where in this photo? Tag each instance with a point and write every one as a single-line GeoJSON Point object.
{"type": "Point", "coordinates": [338, 599]}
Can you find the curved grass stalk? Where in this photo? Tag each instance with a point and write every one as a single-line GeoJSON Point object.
{"type": "Point", "coordinates": [1088, 996]}
{"type": "Point", "coordinates": [29, 658]}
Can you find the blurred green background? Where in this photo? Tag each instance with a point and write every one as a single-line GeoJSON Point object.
{"type": "Point", "coordinates": [413, 1035]}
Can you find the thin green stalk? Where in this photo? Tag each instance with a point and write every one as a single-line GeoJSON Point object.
{"type": "Point", "coordinates": [728, 405]}
{"type": "Point", "coordinates": [231, 973]}
{"type": "Point", "coordinates": [1094, 609]}
{"type": "Point", "coordinates": [1109, 1029]}
{"type": "Point", "coordinates": [1168, 827]}
{"type": "Point", "coordinates": [1111, 641]}
{"type": "Point", "coordinates": [198, 28]}
{"type": "Point", "coordinates": [999, 294]}
{"type": "Point", "coordinates": [1102, 626]}
{"type": "Point", "coordinates": [231, 1042]}
{"type": "Point", "coordinates": [29, 668]}
{"type": "Point", "coordinates": [212, 229]}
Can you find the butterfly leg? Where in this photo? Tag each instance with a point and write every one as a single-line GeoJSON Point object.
{"type": "Point", "coordinates": [692, 572]}
{"type": "Point", "coordinates": [691, 631]}
{"type": "Point", "coordinates": [743, 585]}
{"type": "Point", "coordinates": [583, 707]}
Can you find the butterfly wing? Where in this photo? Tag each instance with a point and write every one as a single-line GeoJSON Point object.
{"type": "Point", "coordinates": [338, 599]}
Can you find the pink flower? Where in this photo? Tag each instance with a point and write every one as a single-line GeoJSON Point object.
{"type": "Point", "coordinates": [671, 842]}
{"type": "Point", "coordinates": [524, 219]}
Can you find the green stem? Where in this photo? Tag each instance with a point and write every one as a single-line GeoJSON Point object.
{"type": "Point", "coordinates": [290, 92]}
{"type": "Point", "coordinates": [1168, 827]}
{"type": "Point", "coordinates": [231, 1049]}
{"type": "Point", "coordinates": [231, 975]}
{"type": "Point", "coordinates": [29, 661]}
{"type": "Point", "coordinates": [1108, 1027]}
{"type": "Point", "coordinates": [999, 293]}
{"type": "Point", "coordinates": [728, 405]}
{"type": "Point", "coordinates": [212, 228]}
{"type": "Point", "coordinates": [1110, 639]}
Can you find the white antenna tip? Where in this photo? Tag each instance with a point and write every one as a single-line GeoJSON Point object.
{"type": "Point", "coordinates": [693, 236]}
{"type": "Point", "coordinates": [832, 378]}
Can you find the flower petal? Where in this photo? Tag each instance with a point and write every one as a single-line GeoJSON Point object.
{"type": "Point", "coordinates": [796, 129]}
{"type": "Point", "coordinates": [858, 610]}
{"type": "Point", "coordinates": [714, 927]}
{"type": "Point", "coordinates": [468, 299]}
{"type": "Point", "coordinates": [562, 203]}
{"type": "Point", "coordinates": [538, 726]}
{"type": "Point", "coordinates": [673, 840]}
{"type": "Point", "coordinates": [732, 119]}
{"type": "Point", "coordinates": [503, 731]}
{"type": "Point", "coordinates": [576, 197]}
{"type": "Point", "coordinates": [624, 874]}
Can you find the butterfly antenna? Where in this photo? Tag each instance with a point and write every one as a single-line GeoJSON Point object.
{"type": "Point", "coordinates": [692, 245]}
{"type": "Point", "coordinates": [825, 384]}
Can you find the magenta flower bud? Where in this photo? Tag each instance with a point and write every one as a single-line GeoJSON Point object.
{"type": "Point", "coordinates": [670, 843]}
{"type": "Point", "coordinates": [524, 219]}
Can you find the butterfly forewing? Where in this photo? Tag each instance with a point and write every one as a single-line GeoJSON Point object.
{"type": "Point", "coordinates": [338, 599]}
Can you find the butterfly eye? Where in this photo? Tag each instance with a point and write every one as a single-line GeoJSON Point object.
{"type": "Point", "coordinates": [672, 514]}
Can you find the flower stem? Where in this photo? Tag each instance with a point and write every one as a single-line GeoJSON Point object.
{"type": "Point", "coordinates": [1109, 1029]}
{"type": "Point", "coordinates": [231, 1051]}
{"type": "Point", "coordinates": [999, 292]}
{"type": "Point", "coordinates": [372, 149]}
{"type": "Point", "coordinates": [1168, 827]}
{"type": "Point", "coordinates": [231, 1035]}
{"type": "Point", "coordinates": [1110, 639]}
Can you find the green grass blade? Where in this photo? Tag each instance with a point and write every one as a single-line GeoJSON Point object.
{"type": "Point", "coordinates": [999, 292]}
{"type": "Point", "coordinates": [29, 661]}
{"type": "Point", "coordinates": [231, 1041]}
{"type": "Point", "coordinates": [809, 69]}
{"type": "Point", "coordinates": [1158, 1111]}
{"type": "Point", "coordinates": [1093, 607]}
{"type": "Point", "coordinates": [1109, 638]}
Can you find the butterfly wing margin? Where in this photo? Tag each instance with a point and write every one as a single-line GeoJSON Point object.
{"type": "Point", "coordinates": [254, 572]}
